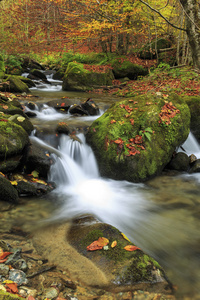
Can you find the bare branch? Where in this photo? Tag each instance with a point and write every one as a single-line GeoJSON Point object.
{"type": "Point", "coordinates": [161, 15]}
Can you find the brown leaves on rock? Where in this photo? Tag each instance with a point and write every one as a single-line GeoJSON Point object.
{"type": "Point", "coordinates": [168, 111]}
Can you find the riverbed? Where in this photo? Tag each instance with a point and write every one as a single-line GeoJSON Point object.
{"type": "Point", "coordinates": [161, 216]}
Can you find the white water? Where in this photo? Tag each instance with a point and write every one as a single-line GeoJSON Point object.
{"type": "Point", "coordinates": [191, 146]}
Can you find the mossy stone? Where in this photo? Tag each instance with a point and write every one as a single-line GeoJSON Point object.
{"type": "Point", "coordinates": [16, 85]}
{"type": "Point", "coordinates": [149, 50]}
{"type": "Point", "coordinates": [24, 122]}
{"type": "Point", "coordinates": [77, 78]}
{"type": "Point", "coordinates": [138, 118]}
{"type": "Point", "coordinates": [124, 68]}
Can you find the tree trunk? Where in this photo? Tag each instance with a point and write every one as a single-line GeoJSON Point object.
{"type": "Point", "coordinates": [191, 8]}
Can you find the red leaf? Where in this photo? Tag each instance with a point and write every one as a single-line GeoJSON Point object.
{"type": "Point", "coordinates": [62, 104]}
{"type": "Point", "coordinates": [3, 260]}
{"type": "Point", "coordinates": [132, 121]}
{"type": "Point", "coordinates": [112, 121]}
{"type": "Point", "coordinates": [119, 141]}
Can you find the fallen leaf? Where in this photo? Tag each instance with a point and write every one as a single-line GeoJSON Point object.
{"type": "Point", "coordinates": [99, 244]}
{"type": "Point", "coordinates": [20, 119]}
{"type": "Point", "coordinates": [4, 254]}
{"type": "Point", "coordinates": [14, 182]}
{"type": "Point", "coordinates": [112, 121]}
{"type": "Point", "coordinates": [12, 288]}
{"type": "Point", "coordinates": [132, 121]}
{"type": "Point", "coordinates": [2, 288]}
{"type": "Point", "coordinates": [5, 106]}
{"type": "Point", "coordinates": [131, 248]}
{"type": "Point", "coordinates": [35, 173]}
{"type": "Point", "coordinates": [114, 244]}
{"type": "Point", "coordinates": [125, 237]}
{"type": "Point", "coordinates": [39, 181]}
{"type": "Point", "coordinates": [62, 104]}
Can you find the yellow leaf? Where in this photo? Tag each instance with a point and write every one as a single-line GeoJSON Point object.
{"type": "Point", "coordinates": [2, 288]}
{"type": "Point", "coordinates": [20, 119]}
{"type": "Point", "coordinates": [114, 244]}
{"type": "Point", "coordinates": [14, 182]}
{"type": "Point", "coordinates": [35, 173]}
{"type": "Point", "coordinates": [8, 281]}
{"type": "Point", "coordinates": [39, 181]}
{"type": "Point", "coordinates": [125, 237]}
{"type": "Point", "coordinates": [2, 174]}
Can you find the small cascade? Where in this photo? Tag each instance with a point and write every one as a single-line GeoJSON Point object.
{"type": "Point", "coordinates": [191, 146]}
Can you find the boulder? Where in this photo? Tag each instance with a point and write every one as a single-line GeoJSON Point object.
{"type": "Point", "coordinates": [37, 160]}
{"type": "Point", "coordinates": [90, 106]}
{"type": "Point", "coordinates": [23, 122]}
{"type": "Point", "coordinates": [135, 138]}
{"type": "Point", "coordinates": [179, 162]}
{"type": "Point", "coordinates": [37, 74]}
{"type": "Point", "coordinates": [123, 68]}
{"type": "Point", "coordinates": [195, 167]}
{"type": "Point", "coordinates": [15, 85]}
{"type": "Point", "coordinates": [77, 78]}
{"type": "Point", "coordinates": [194, 105]}
{"type": "Point", "coordinates": [78, 109]}
{"type": "Point", "coordinates": [13, 139]}
{"type": "Point", "coordinates": [7, 192]}
{"type": "Point", "coordinates": [122, 267]}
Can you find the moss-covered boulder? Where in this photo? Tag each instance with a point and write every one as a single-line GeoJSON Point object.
{"type": "Point", "coordinates": [149, 50]}
{"type": "Point", "coordinates": [13, 139]}
{"type": "Point", "coordinates": [24, 122]}
{"type": "Point", "coordinates": [123, 68]}
{"type": "Point", "coordinates": [37, 74]}
{"type": "Point", "coordinates": [135, 138]}
{"type": "Point", "coordinates": [194, 105]}
{"type": "Point", "coordinates": [2, 67]}
{"type": "Point", "coordinates": [14, 84]}
{"type": "Point", "coordinates": [78, 78]}
{"type": "Point", "coordinates": [7, 192]}
{"type": "Point", "coordinates": [122, 267]}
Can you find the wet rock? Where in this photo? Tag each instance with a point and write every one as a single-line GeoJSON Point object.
{"type": "Point", "coordinates": [20, 264]}
{"type": "Point", "coordinates": [179, 162]}
{"type": "Point", "coordinates": [18, 277]}
{"type": "Point", "coordinates": [51, 293]}
{"type": "Point", "coordinates": [10, 164]}
{"type": "Point", "coordinates": [90, 106]}
{"type": "Point", "coordinates": [38, 160]}
{"type": "Point", "coordinates": [38, 74]}
{"type": "Point", "coordinates": [63, 127]}
{"type": "Point", "coordinates": [25, 291]}
{"type": "Point", "coordinates": [63, 105]}
{"type": "Point", "coordinates": [192, 158]}
{"type": "Point", "coordinates": [31, 105]}
{"type": "Point", "coordinates": [4, 270]}
{"type": "Point", "coordinates": [7, 192]}
{"type": "Point", "coordinates": [30, 114]}
{"type": "Point", "coordinates": [195, 168]}
{"type": "Point", "coordinates": [16, 85]}
{"type": "Point", "coordinates": [78, 109]}
{"type": "Point", "coordinates": [122, 267]}
{"type": "Point", "coordinates": [14, 257]}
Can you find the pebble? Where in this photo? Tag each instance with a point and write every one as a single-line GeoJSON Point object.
{"type": "Point", "coordinates": [18, 276]}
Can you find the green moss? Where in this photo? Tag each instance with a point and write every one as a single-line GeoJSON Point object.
{"type": "Point", "coordinates": [9, 296]}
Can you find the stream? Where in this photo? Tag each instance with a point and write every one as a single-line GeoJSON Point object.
{"type": "Point", "coordinates": [161, 216]}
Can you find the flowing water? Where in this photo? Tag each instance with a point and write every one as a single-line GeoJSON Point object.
{"type": "Point", "coordinates": [161, 216]}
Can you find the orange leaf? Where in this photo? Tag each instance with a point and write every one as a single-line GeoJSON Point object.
{"type": "Point", "coordinates": [112, 121]}
{"type": "Point", "coordinates": [5, 106]}
{"type": "Point", "coordinates": [131, 248]}
{"type": "Point", "coordinates": [114, 244]}
{"type": "Point", "coordinates": [4, 254]}
{"type": "Point", "coordinates": [3, 260]}
{"type": "Point", "coordinates": [12, 288]}
{"type": "Point", "coordinates": [99, 244]}
{"type": "Point", "coordinates": [119, 141]}
{"type": "Point", "coordinates": [62, 104]}
{"type": "Point", "coordinates": [132, 121]}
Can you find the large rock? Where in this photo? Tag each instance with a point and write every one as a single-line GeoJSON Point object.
{"type": "Point", "coordinates": [77, 78]}
{"type": "Point", "coordinates": [194, 105]}
{"type": "Point", "coordinates": [13, 139]}
{"type": "Point", "coordinates": [125, 68]}
{"type": "Point", "coordinates": [7, 192]}
{"type": "Point", "coordinates": [110, 267]}
{"type": "Point", "coordinates": [135, 139]}
{"type": "Point", "coordinates": [16, 85]}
